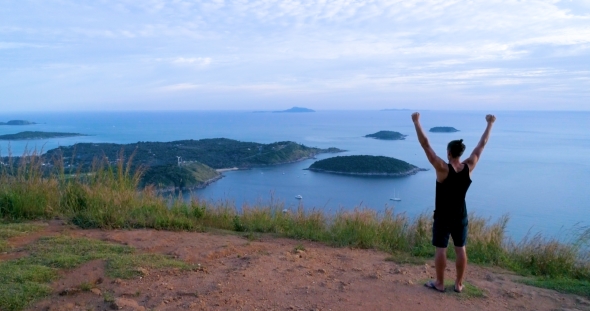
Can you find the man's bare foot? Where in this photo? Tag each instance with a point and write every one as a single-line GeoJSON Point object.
{"type": "Point", "coordinates": [458, 287]}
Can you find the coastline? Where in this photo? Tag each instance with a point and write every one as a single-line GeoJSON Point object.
{"type": "Point", "coordinates": [229, 169]}
{"type": "Point", "coordinates": [197, 186]}
{"type": "Point", "coordinates": [403, 174]}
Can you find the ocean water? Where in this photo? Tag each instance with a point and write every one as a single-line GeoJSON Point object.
{"type": "Point", "coordinates": [535, 167]}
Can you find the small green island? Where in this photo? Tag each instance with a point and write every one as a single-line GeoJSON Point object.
{"type": "Point", "coordinates": [443, 129]}
{"type": "Point", "coordinates": [387, 135]}
{"type": "Point", "coordinates": [184, 164]}
{"type": "Point", "coordinates": [365, 165]}
{"type": "Point", "coordinates": [17, 122]}
{"type": "Point", "coordinates": [37, 135]}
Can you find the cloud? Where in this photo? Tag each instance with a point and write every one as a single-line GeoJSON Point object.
{"type": "Point", "coordinates": [289, 47]}
{"type": "Point", "coordinates": [192, 61]}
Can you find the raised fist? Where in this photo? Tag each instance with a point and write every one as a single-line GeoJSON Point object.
{"type": "Point", "coordinates": [415, 116]}
{"type": "Point", "coordinates": [490, 118]}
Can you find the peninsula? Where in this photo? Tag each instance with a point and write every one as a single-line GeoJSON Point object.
{"type": "Point", "coordinates": [17, 122]}
{"type": "Point", "coordinates": [37, 135]}
{"type": "Point", "coordinates": [387, 135]}
{"type": "Point", "coordinates": [185, 164]}
{"type": "Point", "coordinates": [365, 165]}
{"type": "Point", "coordinates": [443, 129]}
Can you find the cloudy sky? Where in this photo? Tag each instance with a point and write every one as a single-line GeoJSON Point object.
{"type": "Point", "coordinates": [274, 54]}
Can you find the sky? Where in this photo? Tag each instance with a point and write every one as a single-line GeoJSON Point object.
{"type": "Point", "coordinates": [275, 54]}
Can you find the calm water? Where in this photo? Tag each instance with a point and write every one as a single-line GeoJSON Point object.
{"type": "Point", "coordinates": [535, 167]}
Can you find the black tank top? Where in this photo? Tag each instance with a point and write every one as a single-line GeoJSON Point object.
{"type": "Point", "coordinates": [450, 204]}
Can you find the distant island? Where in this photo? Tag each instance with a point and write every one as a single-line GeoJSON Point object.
{"type": "Point", "coordinates": [185, 164]}
{"type": "Point", "coordinates": [37, 135]}
{"type": "Point", "coordinates": [295, 109]}
{"type": "Point", "coordinates": [290, 110]}
{"type": "Point", "coordinates": [387, 135]}
{"type": "Point", "coordinates": [443, 129]}
{"type": "Point", "coordinates": [395, 109]}
{"type": "Point", "coordinates": [365, 165]}
{"type": "Point", "coordinates": [17, 122]}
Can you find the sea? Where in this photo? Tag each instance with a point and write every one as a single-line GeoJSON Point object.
{"type": "Point", "coordinates": [535, 167]}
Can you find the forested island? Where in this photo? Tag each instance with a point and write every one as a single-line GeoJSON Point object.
{"type": "Point", "coordinates": [37, 135]}
{"type": "Point", "coordinates": [183, 163]}
{"type": "Point", "coordinates": [387, 135]}
{"type": "Point", "coordinates": [365, 165]}
{"type": "Point", "coordinates": [17, 122]}
{"type": "Point", "coordinates": [443, 129]}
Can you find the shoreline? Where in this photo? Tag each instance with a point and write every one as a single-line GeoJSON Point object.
{"type": "Point", "coordinates": [403, 174]}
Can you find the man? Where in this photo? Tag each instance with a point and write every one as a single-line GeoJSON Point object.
{"type": "Point", "coordinates": [450, 212]}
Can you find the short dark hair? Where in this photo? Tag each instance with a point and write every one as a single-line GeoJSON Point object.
{"type": "Point", "coordinates": [456, 147]}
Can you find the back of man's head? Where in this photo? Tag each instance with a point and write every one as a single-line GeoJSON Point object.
{"type": "Point", "coordinates": [456, 148]}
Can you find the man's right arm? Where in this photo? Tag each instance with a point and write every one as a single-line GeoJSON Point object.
{"type": "Point", "coordinates": [439, 164]}
{"type": "Point", "coordinates": [476, 154]}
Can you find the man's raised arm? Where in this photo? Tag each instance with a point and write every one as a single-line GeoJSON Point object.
{"type": "Point", "coordinates": [437, 162]}
{"type": "Point", "coordinates": [476, 154]}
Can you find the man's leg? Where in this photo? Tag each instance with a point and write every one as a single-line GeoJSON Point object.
{"type": "Point", "coordinates": [461, 265]}
{"type": "Point", "coordinates": [440, 263]}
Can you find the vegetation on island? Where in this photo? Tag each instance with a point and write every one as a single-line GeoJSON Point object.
{"type": "Point", "coordinates": [108, 199]}
{"type": "Point", "coordinates": [179, 164]}
{"type": "Point", "coordinates": [387, 135]}
{"type": "Point", "coordinates": [443, 129]}
{"type": "Point", "coordinates": [365, 165]}
{"type": "Point", "coordinates": [37, 135]}
{"type": "Point", "coordinates": [17, 122]}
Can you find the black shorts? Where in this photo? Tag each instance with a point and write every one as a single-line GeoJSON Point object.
{"type": "Point", "coordinates": [442, 229]}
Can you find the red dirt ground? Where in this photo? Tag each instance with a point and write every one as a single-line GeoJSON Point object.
{"type": "Point", "coordinates": [269, 274]}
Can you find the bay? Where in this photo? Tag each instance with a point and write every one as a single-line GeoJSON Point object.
{"type": "Point", "coordinates": [535, 167]}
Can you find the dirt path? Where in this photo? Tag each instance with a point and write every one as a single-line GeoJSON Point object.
{"type": "Point", "coordinates": [270, 274]}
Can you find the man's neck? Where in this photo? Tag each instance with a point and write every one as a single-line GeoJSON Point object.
{"type": "Point", "coordinates": [455, 161]}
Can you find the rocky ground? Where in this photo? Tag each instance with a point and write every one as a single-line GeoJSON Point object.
{"type": "Point", "coordinates": [269, 273]}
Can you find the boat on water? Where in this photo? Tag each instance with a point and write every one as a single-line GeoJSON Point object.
{"type": "Point", "coordinates": [395, 198]}
{"type": "Point", "coordinates": [298, 197]}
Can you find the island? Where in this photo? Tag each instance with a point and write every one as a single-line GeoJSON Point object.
{"type": "Point", "coordinates": [443, 129]}
{"type": "Point", "coordinates": [183, 164]}
{"type": "Point", "coordinates": [295, 109]}
{"type": "Point", "coordinates": [17, 122]}
{"type": "Point", "coordinates": [387, 135]}
{"type": "Point", "coordinates": [365, 165]}
{"type": "Point", "coordinates": [37, 135]}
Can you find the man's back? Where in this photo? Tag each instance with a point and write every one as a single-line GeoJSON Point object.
{"type": "Point", "coordinates": [450, 195]}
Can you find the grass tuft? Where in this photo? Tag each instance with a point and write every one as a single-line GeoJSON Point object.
{"type": "Point", "coordinates": [25, 280]}
{"type": "Point", "coordinates": [108, 198]}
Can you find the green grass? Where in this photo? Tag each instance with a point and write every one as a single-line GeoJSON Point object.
{"type": "Point", "coordinates": [10, 230]}
{"type": "Point", "coordinates": [469, 290]}
{"type": "Point", "coordinates": [109, 198]}
{"type": "Point", "coordinates": [571, 286]}
{"type": "Point", "coordinates": [25, 280]}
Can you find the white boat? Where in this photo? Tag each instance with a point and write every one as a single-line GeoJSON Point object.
{"type": "Point", "coordinates": [298, 197]}
{"type": "Point", "coordinates": [395, 198]}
